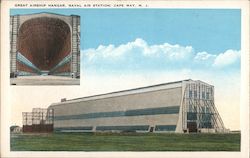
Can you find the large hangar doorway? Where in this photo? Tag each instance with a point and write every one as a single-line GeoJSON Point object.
{"type": "Point", "coordinates": [44, 44]}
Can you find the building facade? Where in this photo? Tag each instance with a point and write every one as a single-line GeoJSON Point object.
{"type": "Point", "coordinates": [182, 106]}
{"type": "Point", "coordinates": [45, 44]}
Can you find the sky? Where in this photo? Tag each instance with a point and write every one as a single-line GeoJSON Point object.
{"type": "Point", "coordinates": [128, 48]}
{"type": "Point", "coordinates": [201, 28]}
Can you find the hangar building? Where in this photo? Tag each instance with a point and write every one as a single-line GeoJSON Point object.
{"type": "Point", "coordinates": [182, 106]}
{"type": "Point", "coordinates": [45, 44]}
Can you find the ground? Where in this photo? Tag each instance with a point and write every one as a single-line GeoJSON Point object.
{"type": "Point", "coordinates": [125, 142]}
{"type": "Point", "coordinates": [44, 80]}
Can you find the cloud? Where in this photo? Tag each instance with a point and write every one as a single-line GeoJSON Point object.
{"type": "Point", "coordinates": [139, 47]}
{"type": "Point", "coordinates": [227, 58]}
{"type": "Point", "coordinates": [204, 56]}
{"type": "Point", "coordinates": [204, 59]}
{"type": "Point", "coordinates": [139, 55]}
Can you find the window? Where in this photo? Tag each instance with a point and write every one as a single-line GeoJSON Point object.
{"type": "Point", "coordinates": [195, 94]}
{"type": "Point", "coordinates": [165, 128]}
{"type": "Point", "coordinates": [203, 95]}
{"type": "Point", "coordinates": [207, 95]}
{"type": "Point", "coordinates": [190, 94]}
{"type": "Point", "coordinates": [191, 116]}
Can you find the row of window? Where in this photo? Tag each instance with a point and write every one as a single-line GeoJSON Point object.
{"type": "Point", "coordinates": [58, 129]}
{"type": "Point", "coordinates": [118, 128]}
{"type": "Point", "coordinates": [205, 125]}
{"type": "Point", "coordinates": [201, 110]}
{"type": "Point", "coordinates": [123, 128]}
{"type": "Point", "coordinates": [194, 94]}
{"type": "Point", "coordinates": [165, 128]}
{"type": "Point", "coordinates": [136, 112]}
{"type": "Point", "coordinates": [205, 117]}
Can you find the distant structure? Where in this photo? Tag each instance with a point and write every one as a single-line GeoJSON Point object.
{"type": "Point", "coordinates": [38, 121]}
{"type": "Point", "coordinates": [182, 107]}
{"type": "Point", "coordinates": [15, 129]}
{"type": "Point", "coordinates": [45, 44]}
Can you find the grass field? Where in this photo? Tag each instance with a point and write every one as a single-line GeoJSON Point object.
{"type": "Point", "coordinates": [125, 142]}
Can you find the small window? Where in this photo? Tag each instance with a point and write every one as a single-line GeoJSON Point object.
{"type": "Point", "coordinates": [190, 94]}
{"type": "Point", "coordinates": [207, 95]}
{"type": "Point", "coordinates": [203, 95]}
{"type": "Point", "coordinates": [195, 94]}
{"type": "Point", "coordinates": [191, 116]}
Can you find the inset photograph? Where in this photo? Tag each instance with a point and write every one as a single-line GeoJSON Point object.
{"type": "Point", "coordinates": [45, 49]}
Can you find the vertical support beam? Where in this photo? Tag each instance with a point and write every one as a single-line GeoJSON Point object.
{"type": "Point", "coordinates": [184, 105]}
{"type": "Point", "coordinates": [14, 23]}
{"type": "Point", "coordinates": [75, 50]}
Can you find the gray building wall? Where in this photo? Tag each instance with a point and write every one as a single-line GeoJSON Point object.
{"type": "Point", "coordinates": [159, 107]}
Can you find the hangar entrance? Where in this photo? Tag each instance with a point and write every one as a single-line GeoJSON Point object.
{"type": "Point", "coordinates": [199, 111]}
{"type": "Point", "coordinates": [44, 47]}
{"type": "Point", "coordinates": [192, 127]}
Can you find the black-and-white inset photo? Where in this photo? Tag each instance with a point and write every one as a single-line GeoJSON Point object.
{"type": "Point", "coordinates": [45, 49]}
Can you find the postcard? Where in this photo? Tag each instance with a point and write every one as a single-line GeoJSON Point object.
{"type": "Point", "coordinates": [125, 79]}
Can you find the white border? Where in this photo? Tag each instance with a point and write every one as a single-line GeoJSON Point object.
{"type": "Point", "coordinates": [5, 86]}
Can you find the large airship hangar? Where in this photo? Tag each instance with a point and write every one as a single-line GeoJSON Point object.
{"type": "Point", "coordinates": [182, 107]}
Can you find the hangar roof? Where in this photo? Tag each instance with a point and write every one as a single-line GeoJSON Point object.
{"type": "Point", "coordinates": [150, 88]}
